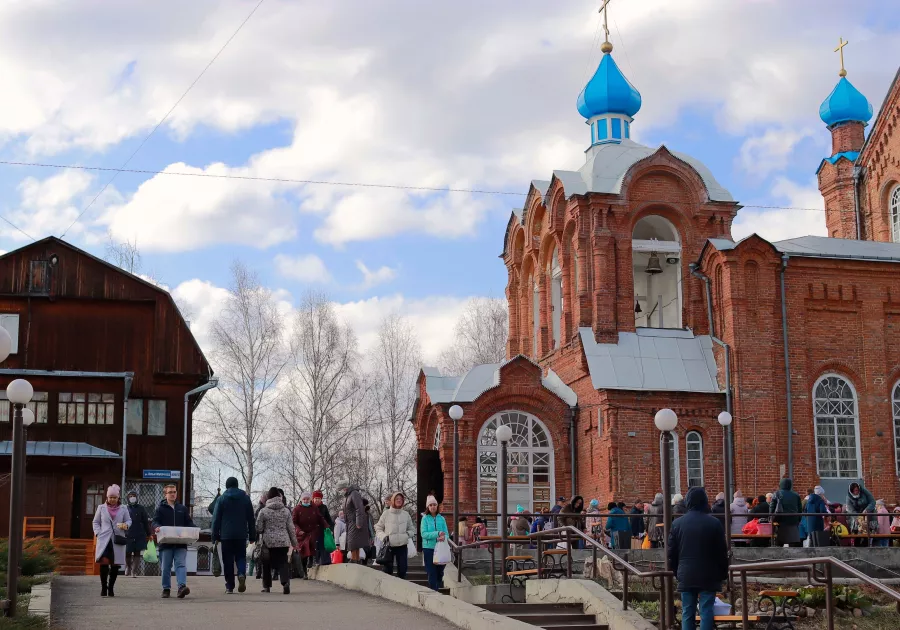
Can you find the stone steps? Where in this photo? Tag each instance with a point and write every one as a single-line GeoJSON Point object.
{"type": "Point", "coordinates": [549, 616]}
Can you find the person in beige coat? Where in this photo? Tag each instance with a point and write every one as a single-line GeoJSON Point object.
{"type": "Point", "coordinates": [395, 528]}
{"type": "Point", "coordinates": [276, 533]}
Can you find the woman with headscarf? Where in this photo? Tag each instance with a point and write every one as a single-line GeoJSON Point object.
{"type": "Point", "coordinates": [138, 534]}
{"type": "Point", "coordinates": [111, 522]}
{"type": "Point", "coordinates": [308, 524]}
{"type": "Point", "coordinates": [594, 524]}
{"type": "Point", "coordinates": [356, 518]}
{"type": "Point", "coordinates": [678, 506]}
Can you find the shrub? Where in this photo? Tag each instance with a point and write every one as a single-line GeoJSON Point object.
{"type": "Point", "coordinates": [38, 556]}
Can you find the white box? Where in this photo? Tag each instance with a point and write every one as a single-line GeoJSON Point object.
{"type": "Point", "coordinates": [178, 535]}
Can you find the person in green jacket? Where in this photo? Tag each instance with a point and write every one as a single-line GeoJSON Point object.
{"type": "Point", "coordinates": [433, 529]}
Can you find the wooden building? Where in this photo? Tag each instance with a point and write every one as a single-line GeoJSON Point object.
{"type": "Point", "coordinates": [111, 359]}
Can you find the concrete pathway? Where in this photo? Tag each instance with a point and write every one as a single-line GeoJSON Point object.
{"type": "Point", "coordinates": [77, 605]}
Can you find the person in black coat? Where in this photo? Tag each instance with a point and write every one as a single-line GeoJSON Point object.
{"type": "Point", "coordinates": [698, 556]}
{"type": "Point", "coordinates": [637, 524]}
{"type": "Point", "coordinates": [718, 508]}
{"type": "Point", "coordinates": [322, 557]}
{"type": "Point", "coordinates": [788, 502]}
{"type": "Point", "coordinates": [234, 523]}
{"type": "Point", "coordinates": [138, 534]}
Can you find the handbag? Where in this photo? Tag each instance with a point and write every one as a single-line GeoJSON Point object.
{"type": "Point", "coordinates": [383, 554]}
{"type": "Point", "coordinates": [298, 565]}
{"type": "Point", "coordinates": [264, 555]}
{"type": "Point", "coordinates": [118, 539]}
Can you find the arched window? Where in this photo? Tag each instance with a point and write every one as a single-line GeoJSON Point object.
{"type": "Point", "coordinates": [837, 433]}
{"type": "Point", "coordinates": [674, 464]}
{"type": "Point", "coordinates": [895, 403]}
{"type": "Point", "coordinates": [556, 296]}
{"type": "Point", "coordinates": [895, 214]}
{"type": "Point", "coordinates": [694, 444]}
{"type": "Point", "coordinates": [437, 437]}
{"type": "Point", "coordinates": [656, 262]}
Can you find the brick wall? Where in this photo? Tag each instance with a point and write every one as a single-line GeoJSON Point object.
{"type": "Point", "coordinates": [881, 162]}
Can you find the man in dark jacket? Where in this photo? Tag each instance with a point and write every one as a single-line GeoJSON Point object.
{"type": "Point", "coordinates": [718, 508]}
{"type": "Point", "coordinates": [234, 524]}
{"type": "Point", "coordinates": [322, 556]}
{"type": "Point", "coordinates": [637, 523]}
{"type": "Point", "coordinates": [170, 513]}
{"type": "Point", "coordinates": [788, 502]}
{"type": "Point", "coordinates": [699, 558]}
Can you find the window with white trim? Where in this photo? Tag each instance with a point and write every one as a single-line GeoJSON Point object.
{"type": "Point", "coordinates": [38, 406]}
{"type": "Point", "coordinates": [895, 404]}
{"type": "Point", "coordinates": [674, 464]}
{"type": "Point", "coordinates": [556, 297]}
{"type": "Point", "coordinates": [437, 437]}
{"type": "Point", "coordinates": [86, 408]}
{"type": "Point", "coordinates": [837, 428]}
{"type": "Point", "coordinates": [895, 214]}
{"type": "Point", "coordinates": [694, 448]}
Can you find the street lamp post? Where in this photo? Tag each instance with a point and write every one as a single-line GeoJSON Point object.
{"type": "Point", "coordinates": [19, 393]}
{"type": "Point", "coordinates": [504, 435]}
{"type": "Point", "coordinates": [725, 421]}
{"type": "Point", "coordinates": [666, 421]}
{"type": "Point", "coordinates": [456, 414]}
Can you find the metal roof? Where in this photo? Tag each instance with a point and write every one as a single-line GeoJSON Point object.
{"type": "Point", "coordinates": [824, 247]}
{"type": "Point", "coordinates": [607, 165]}
{"type": "Point", "coordinates": [468, 387]}
{"type": "Point", "coordinates": [652, 360]}
{"type": "Point", "coordinates": [59, 449]}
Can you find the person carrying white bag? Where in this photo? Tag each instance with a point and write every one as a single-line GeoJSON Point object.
{"type": "Point", "coordinates": [395, 529]}
{"type": "Point", "coordinates": [435, 547]}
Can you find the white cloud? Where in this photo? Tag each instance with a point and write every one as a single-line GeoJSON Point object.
{"type": "Point", "coordinates": [205, 302]}
{"type": "Point", "coordinates": [309, 268]}
{"type": "Point", "coordinates": [765, 154]}
{"type": "Point", "coordinates": [776, 225]}
{"type": "Point", "coordinates": [375, 277]}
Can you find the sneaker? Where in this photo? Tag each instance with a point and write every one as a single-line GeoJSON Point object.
{"type": "Point", "coordinates": [287, 589]}
{"type": "Point", "coordinates": [165, 594]}
{"type": "Point", "coordinates": [127, 571]}
{"type": "Point", "coordinates": [183, 591]}
{"type": "Point", "coordinates": [229, 591]}
{"type": "Point", "coordinates": [242, 583]}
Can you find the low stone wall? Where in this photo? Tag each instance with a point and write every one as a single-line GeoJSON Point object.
{"type": "Point", "coordinates": [372, 582]}
{"type": "Point", "coordinates": [596, 599]}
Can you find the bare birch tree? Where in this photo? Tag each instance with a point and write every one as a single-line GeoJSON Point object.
{"type": "Point", "coordinates": [322, 394]}
{"type": "Point", "coordinates": [480, 336]}
{"type": "Point", "coordinates": [249, 357]}
{"type": "Point", "coordinates": [396, 361]}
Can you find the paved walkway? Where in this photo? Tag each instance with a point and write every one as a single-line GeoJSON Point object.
{"type": "Point", "coordinates": [77, 605]}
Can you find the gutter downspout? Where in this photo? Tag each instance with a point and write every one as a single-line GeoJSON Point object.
{"type": "Point", "coordinates": [712, 334]}
{"type": "Point", "coordinates": [572, 449]}
{"type": "Point", "coordinates": [787, 367]}
{"type": "Point", "coordinates": [212, 383]}
{"type": "Point", "coordinates": [857, 171]}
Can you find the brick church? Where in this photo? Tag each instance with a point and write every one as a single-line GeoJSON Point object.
{"type": "Point", "coordinates": [628, 294]}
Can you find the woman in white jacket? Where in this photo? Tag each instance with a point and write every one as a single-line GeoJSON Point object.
{"type": "Point", "coordinates": [395, 528]}
{"type": "Point", "coordinates": [739, 511]}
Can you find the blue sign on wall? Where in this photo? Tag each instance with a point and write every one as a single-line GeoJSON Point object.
{"type": "Point", "coordinates": [162, 474]}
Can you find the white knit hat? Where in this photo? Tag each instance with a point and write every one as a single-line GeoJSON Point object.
{"type": "Point", "coordinates": [430, 501]}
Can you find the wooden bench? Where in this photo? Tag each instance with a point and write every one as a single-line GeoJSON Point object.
{"type": "Point", "coordinates": [519, 558]}
{"type": "Point", "coordinates": [522, 572]}
{"type": "Point", "coordinates": [732, 618]}
{"type": "Point", "coordinates": [556, 552]}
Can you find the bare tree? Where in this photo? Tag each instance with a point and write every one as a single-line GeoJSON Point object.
{"type": "Point", "coordinates": [480, 336]}
{"type": "Point", "coordinates": [322, 396]}
{"type": "Point", "coordinates": [396, 361]}
{"type": "Point", "coordinates": [124, 254]}
{"type": "Point", "coordinates": [249, 357]}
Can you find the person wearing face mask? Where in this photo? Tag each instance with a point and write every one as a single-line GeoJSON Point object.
{"type": "Point", "coordinates": [308, 524]}
{"type": "Point", "coordinates": [138, 534]}
{"type": "Point", "coordinates": [111, 522]}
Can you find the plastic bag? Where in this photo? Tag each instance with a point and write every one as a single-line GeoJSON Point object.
{"type": "Point", "coordinates": [150, 555]}
{"type": "Point", "coordinates": [646, 544]}
{"type": "Point", "coordinates": [442, 553]}
{"type": "Point", "coordinates": [411, 551]}
{"type": "Point", "coordinates": [379, 543]}
{"type": "Point", "coordinates": [337, 557]}
{"type": "Point", "coordinates": [329, 541]}
{"type": "Point", "coordinates": [362, 554]}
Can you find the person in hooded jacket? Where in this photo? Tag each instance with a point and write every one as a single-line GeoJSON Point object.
{"type": "Point", "coordinates": [138, 534]}
{"type": "Point", "coordinates": [308, 524]}
{"type": "Point", "coordinates": [718, 508]}
{"type": "Point", "coordinates": [276, 532]}
{"type": "Point", "coordinates": [233, 524]}
{"type": "Point", "coordinates": [815, 525]}
{"type": "Point", "coordinates": [698, 556]}
{"type": "Point", "coordinates": [654, 519]}
{"type": "Point", "coordinates": [786, 501]}
{"type": "Point", "coordinates": [637, 523]}
{"type": "Point", "coordinates": [860, 501]}
{"type": "Point", "coordinates": [395, 529]}
{"type": "Point", "coordinates": [618, 528]}
{"type": "Point", "coordinates": [739, 511]}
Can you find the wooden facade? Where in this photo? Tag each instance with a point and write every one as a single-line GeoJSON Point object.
{"type": "Point", "coordinates": [102, 348]}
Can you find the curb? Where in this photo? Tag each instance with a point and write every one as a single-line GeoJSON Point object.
{"type": "Point", "coordinates": [379, 584]}
{"type": "Point", "coordinates": [39, 604]}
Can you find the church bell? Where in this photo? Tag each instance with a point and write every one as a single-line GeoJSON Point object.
{"type": "Point", "coordinates": [653, 266]}
{"type": "Point", "coordinates": [637, 306]}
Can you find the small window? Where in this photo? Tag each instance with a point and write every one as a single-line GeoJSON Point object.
{"type": "Point", "coordinates": [616, 128]}
{"type": "Point", "coordinates": [602, 132]}
{"type": "Point", "coordinates": [94, 498]}
{"type": "Point", "coordinates": [76, 408]}
{"type": "Point", "coordinates": [694, 442]}
{"type": "Point", "coordinates": [156, 417]}
{"type": "Point", "coordinates": [38, 406]}
{"type": "Point", "coordinates": [135, 416]}
{"type": "Point", "coordinates": [627, 129]}
{"type": "Point", "coordinates": [895, 214]}
{"type": "Point", "coordinates": [10, 322]}
{"type": "Point", "coordinates": [39, 279]}
{"type": "Point", "coordinates": [895, 403]}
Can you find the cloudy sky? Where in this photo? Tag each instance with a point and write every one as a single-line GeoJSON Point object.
{"type": "Point", "coordinates": [474, 95]}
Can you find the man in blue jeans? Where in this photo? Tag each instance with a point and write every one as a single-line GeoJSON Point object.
{"type": "Point", "coordinates": [699, 558]}
{"type": "Point", "coordinates": [233, 523]}
{"type": "Point", "coordinates": [170, 513]}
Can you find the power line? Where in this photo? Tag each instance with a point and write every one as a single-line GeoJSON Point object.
{"type": "Point", "coordinates": [18, 228]}
{"type": "Point", "coordinates": [320, 182]}
{"type": "Point", "coordinates": [164, 118]}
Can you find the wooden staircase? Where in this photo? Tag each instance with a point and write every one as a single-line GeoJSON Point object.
{"type": "Point", "coordinates": [76, 556]}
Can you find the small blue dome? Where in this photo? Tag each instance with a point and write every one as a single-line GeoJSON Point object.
{"type": "Point", "coordinates": [845, 103]}
{"type": "Point", "coordinates": [608, 92]}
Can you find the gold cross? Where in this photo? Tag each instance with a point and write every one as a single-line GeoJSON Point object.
{"type": "Point", "coordinates": [606, 47]}
{"type": "Point", "coordinates": [840, 49]}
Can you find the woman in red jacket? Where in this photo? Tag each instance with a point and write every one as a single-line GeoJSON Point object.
{"type": "Point", "coordinates": [308, 524]}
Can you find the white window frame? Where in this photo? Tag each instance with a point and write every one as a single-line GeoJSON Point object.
{"type": "Point", "coordinates": [687, 456]}
{"type": "Point", "coordinates": [859, 460]}
{"type": "Point", "coordinates": [894, 213]}
{"type": "Point", "coordinates": [676, 463]}
{"type": "Point", "coordinates": [895, 405]}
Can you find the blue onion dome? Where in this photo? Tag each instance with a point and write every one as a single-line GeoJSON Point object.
{"type": "Point", "coordinates": [608, 92]}
{"type": "Point", "coordinates": [845, 104]}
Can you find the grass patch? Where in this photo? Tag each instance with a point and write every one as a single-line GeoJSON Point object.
{"type": "Point", "coordinates": [481, 579]}
{"type": "Point", "coordinates": [22, 620]}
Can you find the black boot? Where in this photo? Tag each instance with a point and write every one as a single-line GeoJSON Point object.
{"type": "Point", "coordinates": [104, 577]}
{"type": "Point", "coordinates": [113, 574]}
